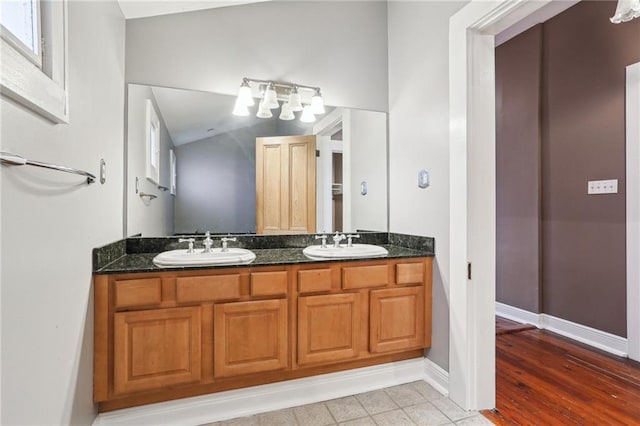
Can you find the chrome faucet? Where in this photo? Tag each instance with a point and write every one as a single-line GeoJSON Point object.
{"type": "Point", "coordinates": [337, 238]}
{"type": "Point", "coordinates": [323, 238]}
{"type": "Point", "coordinates": [350, 238]}
{"type": "Point", "coordinates": [208, 243]}
{"type": "Point", "coordinates": [225, 240]}
{"type": "Point", "coordinates": [190, 241]}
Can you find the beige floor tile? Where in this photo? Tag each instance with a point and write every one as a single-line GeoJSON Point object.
{"type": "Point", "coordinates": [364, 421]}
{"type": "Point", "coordinates": [313, 415]}
{"type": "Point", "coordinates": [393, 418]}
{"type": "Point", "coordinates": [426, 390]}
{"type": "Point", "coordinates": [347, 408]}
{"type": "Point", "coordinates": [477, 420]}
{"type": "Point", "coordinates": [277, 418]}
{"type": "Point", "coordinates": [376, 402]}
{"type": "Point", "coordinates": [452, 410]}
{"type": "Point", "coordinates": [239, 421]}
{"type": "Point", "coordinates": [426, 414]}
{"type": "Point", "coordinates": [405, 395]}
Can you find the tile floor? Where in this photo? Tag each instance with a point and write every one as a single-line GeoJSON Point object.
{"type": "Point", "coordinates": [415, 403]}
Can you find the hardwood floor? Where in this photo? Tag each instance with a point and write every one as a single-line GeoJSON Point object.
{"type": "Point", "coordinates": [545, 379]}
{"type": "Point", "coordinates": [504, 326]}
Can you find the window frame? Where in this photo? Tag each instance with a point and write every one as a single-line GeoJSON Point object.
{"type": "Point", "coordinates": [43, 90]}
{"type": "Point", "coordinates": [20, 46]}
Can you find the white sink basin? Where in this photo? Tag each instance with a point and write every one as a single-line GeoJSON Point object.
{"type": "Point", "coordinates": [216, 257]}
{"type": "Point", "coordinates": [344, 252]}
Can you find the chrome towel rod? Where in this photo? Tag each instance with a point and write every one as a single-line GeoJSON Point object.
{"type": "Point", "coordinates": [17, 160]}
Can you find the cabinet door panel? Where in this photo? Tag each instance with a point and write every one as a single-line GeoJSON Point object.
{"type": "Point", "coordinates": [328, 328]}
{"type": "Point", "coordinates": [250, 337]}
{"type": "Point", "coordinates": [156, 348]}
{"type": "Point", "coordinates": [396, 319]}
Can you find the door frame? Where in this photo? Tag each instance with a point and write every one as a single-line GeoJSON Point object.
{"type": "Point", "coordinates": [472, 174]}
{"type": "Point", "coordinates": [632, 109]}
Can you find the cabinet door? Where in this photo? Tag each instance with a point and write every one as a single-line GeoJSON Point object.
{"type": "Point", "coordinates": [156, 348]}
{"type": "Point", "coordinates": [396, 319]}
{"type": "Point", "coordinates": [250, 337]}
{"type": "Point", "coordinates": [328, 328]}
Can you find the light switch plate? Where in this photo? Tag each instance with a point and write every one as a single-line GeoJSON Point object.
{"type": "Point", "coordinates": [596, 187]}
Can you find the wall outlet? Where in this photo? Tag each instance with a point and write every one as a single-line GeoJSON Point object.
{"type": "Point", "coordinates": [596, 187]}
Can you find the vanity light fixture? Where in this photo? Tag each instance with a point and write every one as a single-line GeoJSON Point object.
{"type": "Point", "coordinates": [626, 11]}
{"type": "Point", "coordinates": [272, 92]}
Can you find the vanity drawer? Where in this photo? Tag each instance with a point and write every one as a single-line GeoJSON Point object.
{"type": "Point", "coordinates": [314, 280]}
{"type": "Point", "coordinates": [269, 283]}
{"type": "Point", "coordinates": [143, 292]}
{"type": "Point", "coordinates": [409, 273]}
{"type": "Point", "coordinates": [365, 276]}
{"type": "Point", "coordinates": [209, 288]}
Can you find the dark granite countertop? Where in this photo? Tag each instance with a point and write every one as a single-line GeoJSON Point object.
{"type": "Point", "coordinates": [136, 254]}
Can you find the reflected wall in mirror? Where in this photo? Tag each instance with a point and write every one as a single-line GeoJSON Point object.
{"type": "Point", "coordinates": [215, 165]}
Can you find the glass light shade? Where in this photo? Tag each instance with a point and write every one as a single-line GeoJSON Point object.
{"type": "Point", "coordinates": [626, 11]}
{"type": "Point", "coordinates": [271, 97]}
{"type": "Point", "coordinates": [307, 115]}
{"type": "Point", "coordinates": [286, 113]}
{"type": "Point", "coordinates": [245, 95]}
{"type": "Point", "coordinates": [294, 100]}
{"type": "Point", "coordinates": [317, 103]}
{"type": "Point", "coordinates": [240, 108]}
{"type": "Point", "coordinates": [263, 111]}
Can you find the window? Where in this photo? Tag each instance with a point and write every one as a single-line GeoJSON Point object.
{"type": "Point", "coordinates": [33, 45]}
{"type": "Point", "coordinates": [173, 166]}
{"type": "Point", "coordinates": [20, 21]}
{"type": "Point", "coordinates": [153, 144]}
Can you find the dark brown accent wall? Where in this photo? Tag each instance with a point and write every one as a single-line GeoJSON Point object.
{"type": "Point", "coordinates": [582, 241]}
{"type": "Point", "coordinates": [518, 65]}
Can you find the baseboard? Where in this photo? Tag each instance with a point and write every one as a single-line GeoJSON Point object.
{"type": "Point", "coordinates": [436, 376]}
{"type": "Point", "coordinates": [590, 336]}
{"type": "Point", "coordinates": [518, 315]}
{"type": "Point", "coordinates": [274, 396]}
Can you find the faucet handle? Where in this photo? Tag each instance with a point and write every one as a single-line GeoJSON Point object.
{"type": "Point", "coordinates": [322, 237]}
{"type": "Point", "coordinates": [190, 241]}
{"type": "Point", "coordinates": [350, 238]}
{"type": "Point", "coordinates": [225, 240]}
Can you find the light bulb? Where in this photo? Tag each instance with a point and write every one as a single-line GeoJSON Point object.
{"type": "Point", "coordinates": [317, 103]}
{"type": "Point", "coordinates": [286, 113]}
{"type": "Point", "coordinates": [294, 100]}
{"type": "Point", "coordinates": [263, 111]}
{"type": "Point", "coordinates": [307, 115]}
{"type": "Point", "coordinates": [245, 95]}
{"type": "Point", "coordinates": [240, 109]}
{"type": "Point", "coordinates": [271, 97]}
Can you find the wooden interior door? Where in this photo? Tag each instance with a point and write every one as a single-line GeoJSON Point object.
{"type": "Point", "coordinates": [328, 328]}
{"type": "Point", "coordinates": [286, 185]}
{"type": "Point", "coordinates": [156, 348]}
{"type": "Point", "coordinates": [396, 319]}
{"type": "Point", "coordinates": [250, 337]}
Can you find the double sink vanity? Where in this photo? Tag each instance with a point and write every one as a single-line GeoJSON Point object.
{"type": "Point", "coordinates": [171, 322]}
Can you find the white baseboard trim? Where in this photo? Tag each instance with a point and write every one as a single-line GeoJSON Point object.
{"type": "Point", "coordinates": [276, 396]}
{"type": "Point", "coordinates": [436, 376]}
{"type": "Point", "coordinates": [590, 336]}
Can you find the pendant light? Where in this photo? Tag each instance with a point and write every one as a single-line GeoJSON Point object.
{"type": "Point", "coordinates": [294, 100]}
{"type": "Point", "coordinates": [286, 113]}
{"type": "Point", "coordinates": [307, 115]}
{"type": "Point", "coordinates": [271, 97]}
{"type": "Point", "coordinates": [626, 11]}
{"type": "Point", "coordinates": [244, 93]}
{"type": "Point", "coordinates": [317, 103]}
{"type": "Point", "coordinates": [263, 110]}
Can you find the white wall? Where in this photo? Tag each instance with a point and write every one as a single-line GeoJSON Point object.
{"type": "Point", "coordinates": [419, 139]}
{"type": "Point", "coordinates": [147, 217]}
{"type": "Point", "coordinates": [368, 162]}
{"type": "Point", "coordinates": [50, 223]}
{"type": "Point", "coordinates": [339, 46]}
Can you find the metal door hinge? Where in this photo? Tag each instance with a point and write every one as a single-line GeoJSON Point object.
{"type": "Point", "coordinates": [317, 153]}
{"type": "Point", "coordinates": [468, 270]}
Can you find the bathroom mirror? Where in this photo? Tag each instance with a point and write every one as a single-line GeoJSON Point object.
{"type": "Point", "coordinates": [207, 164]}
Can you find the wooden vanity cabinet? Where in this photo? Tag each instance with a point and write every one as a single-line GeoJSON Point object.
{"type": "Point", "coordinates": [168, 335]}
